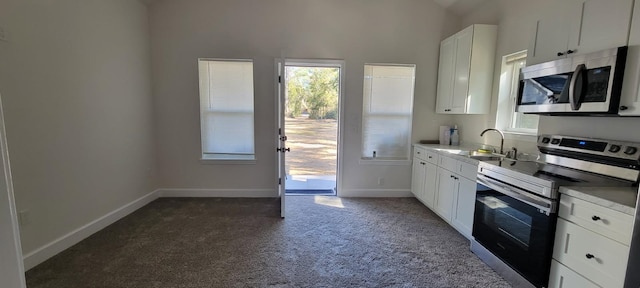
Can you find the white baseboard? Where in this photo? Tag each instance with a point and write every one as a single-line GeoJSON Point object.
{"type": "Point", "coordinates": [391, 193]}
{"type": "Point", "coordinates": [49, 250]}
{"type": "Point", "coordinates": [239, 193]}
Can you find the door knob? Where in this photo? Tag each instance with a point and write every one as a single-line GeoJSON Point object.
{"type": "Point", "coordinates": [560, 54]}
{"type": "Point", "coordinates": [589, 256]}
{"type": "Point", "coordinates": [595, 218]}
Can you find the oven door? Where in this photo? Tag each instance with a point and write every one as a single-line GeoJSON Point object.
{"type": "Point", "coordinates": [516, 227]}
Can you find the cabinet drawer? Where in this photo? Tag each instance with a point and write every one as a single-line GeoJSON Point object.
{"type": "Point", "coordinates": [563, 277]}
{"type": "Point", "coordinates": [426, 155]}
{"type": "Point", "coordinates": [599, 258]}
{"type": "Point", "coordinates": [448, 163]}
{"type": "Point", "coordinates": [615, 225]}
{"type": "Point", "coordinates": [468, 171]}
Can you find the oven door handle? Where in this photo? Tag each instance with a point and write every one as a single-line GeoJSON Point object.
{"type": "Point", "coordinates": [545, 205]}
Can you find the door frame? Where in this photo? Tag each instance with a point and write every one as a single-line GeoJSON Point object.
{"type": "Point", "coordinates": [335, 63]}
{"type": "Point", "coordinates": [12, 262]}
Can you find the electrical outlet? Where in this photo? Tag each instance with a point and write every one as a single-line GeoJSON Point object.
{"type": "Point", "coordinates": [3, 34]}
{"type": "Point", "coordinates": [23, 218]}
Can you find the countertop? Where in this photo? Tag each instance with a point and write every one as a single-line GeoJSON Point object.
{"type": "Point", "coordinates": [622, 199]}
{"type": "Point", "coordinates": [457, 152]}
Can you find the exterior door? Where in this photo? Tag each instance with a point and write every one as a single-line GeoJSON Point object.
{"type": "Point", "coordinates": [281, 139]}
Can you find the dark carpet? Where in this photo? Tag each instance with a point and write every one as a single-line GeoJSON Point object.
{"type": "Point", "coordinates": [323, 242]}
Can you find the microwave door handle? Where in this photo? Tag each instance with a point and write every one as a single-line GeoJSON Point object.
{"type": "Point", "coordinates": [576, 100]}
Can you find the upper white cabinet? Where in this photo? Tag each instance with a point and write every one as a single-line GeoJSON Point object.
{"type": "Point", "coordinates": [465, 72]}
{"type": "Point", "coordinates": [578, 27]}
{"type": "Point", "coordinates": [630, 100]}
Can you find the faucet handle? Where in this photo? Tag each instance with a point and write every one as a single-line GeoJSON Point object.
{"type": "Point", "coordinates": [513, 153]}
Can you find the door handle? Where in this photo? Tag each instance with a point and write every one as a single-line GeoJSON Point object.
{"type": "Point", "coordinates": [283, 150]}
{"type": "Point", "coordinates": [576, 100]}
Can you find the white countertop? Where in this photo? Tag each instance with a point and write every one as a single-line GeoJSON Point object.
{"type": "Point", "coordinates": [621, 199]}
{"type": "Point", "coordinates": [457, 152]}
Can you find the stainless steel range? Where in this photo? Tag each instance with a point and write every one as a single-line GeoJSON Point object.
{"type": "Point", "coordinates": [517, 201]}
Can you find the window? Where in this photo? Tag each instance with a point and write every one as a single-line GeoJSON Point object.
{"type": "Point", "coordinates": [507, 118]}
{"type": "Point", "coordinates": [387, 111]}
{"type": "Point", "coordinates": [226, 109]}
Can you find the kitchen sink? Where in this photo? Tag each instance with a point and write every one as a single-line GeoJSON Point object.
{"type": "Point", "coordinates": [484, 156]}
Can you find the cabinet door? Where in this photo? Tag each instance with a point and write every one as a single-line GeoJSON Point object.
{"type": "Point", "coordinates": [429, 188]}
{"type": "Point", "coordinates": [447, 187]}
{"type": "Point", "coordinates": [464, 205]}
{"type": "Point", "coordinates": [551, 32]}
{"type": "Point", "coordinates": [599, 258]}
{"type": "Point", "coordinates": [630, 101]}
{"type": "Point", "coordinates": [563, 277]}
{"type": "Point", "coordinates": [464, 42]}
{"type": "Point", "coordinates": [605, 24]}
{"type": "Point", "coordinates": [417, 177]}
{"type": "Point", "coordinates": [445, 75]}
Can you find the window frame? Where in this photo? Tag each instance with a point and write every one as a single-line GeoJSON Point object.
{"type": "Point", "coordinates": [406, 160]}
{"type": "Point", "coordinates": [506, 115]}
{"type": "Point", "coordinates": [222, 158]}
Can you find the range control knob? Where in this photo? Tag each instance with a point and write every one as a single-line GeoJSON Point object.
{"type": "Point", "coordinates": [630, 150]}
{"type": "Point", "coordinates": [546, 140]}
{"type": "Point", "coordinates": [614, 148]}
{"type": "Point", "coordinates": [555, 141]}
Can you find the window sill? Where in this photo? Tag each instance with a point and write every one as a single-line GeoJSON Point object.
{"type": "Point", "coordinates": [216, 160]}
{"type": "Point", "coordinates": [382, 161]}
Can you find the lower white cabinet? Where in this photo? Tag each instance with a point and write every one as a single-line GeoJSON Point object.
{"type": "Point", "coordinates": [447, 186]}
{"type": "Point", "coordinates": [423, 181]}
{"type": "Point", "coordinates": [586, 252]}
{"type": "Point", "coordinates": [464, 204]}
{"type": "Point", "coordinates": [563, 277]}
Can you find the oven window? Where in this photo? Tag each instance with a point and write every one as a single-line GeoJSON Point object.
{"type": "Point", "coordinates": [507, 221]}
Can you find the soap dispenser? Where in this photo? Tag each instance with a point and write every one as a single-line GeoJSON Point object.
{"type": "Point", "coordinates": [455, 138]}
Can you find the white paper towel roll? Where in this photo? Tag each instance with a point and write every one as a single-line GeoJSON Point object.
{"type": "Point", "coordinates": [444, 135]}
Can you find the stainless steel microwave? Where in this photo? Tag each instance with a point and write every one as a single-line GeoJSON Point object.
{"type": "Point", "coordinates": [588, 84]}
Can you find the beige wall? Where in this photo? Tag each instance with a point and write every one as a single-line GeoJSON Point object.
{"type": "Point", "coordinates": [75, 82]}
{"type": "Point", "coordinates": [515, 19]}
{"type": "Point", "coordinates": [357, 31]}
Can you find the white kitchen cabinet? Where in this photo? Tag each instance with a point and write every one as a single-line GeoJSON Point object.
{"type": "Point", "coordinates": [595, 256]}
{"type": "Point", "coordinates": [423, 180]}
{"type": "Point", "coordinates": [591, 245]}
{"type": "Point", "coordinates": [630, 99]}
{"type": "Point", "coordinates": [463, 206]}
{"type": "Point", "coordinates": [417, 177]}
{"type": "Point", "coordinates": [447, 186]}
{"type": "Point", "coordinates": [465, 71]}
{"type": "Point", "coordinates": [562, 277]}
{"type": "Point", "coordinates": [574, 27]}
{"type": "Point", "coordinates": [456, 193]}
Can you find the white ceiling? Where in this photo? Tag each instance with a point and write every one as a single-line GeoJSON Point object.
{"type": "Point", "coordinates": [457, 7]}
{"type": "Point", "coordinates": [460, 7]}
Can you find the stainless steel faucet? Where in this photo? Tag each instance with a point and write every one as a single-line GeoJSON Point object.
{"type": "Point", "coordinates": [501, 140]}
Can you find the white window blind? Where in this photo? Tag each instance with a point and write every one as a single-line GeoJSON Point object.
{"type": "Point", "coordinates": [226, 109]}
{"type": "Point", "coordinates": [387, 111]}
